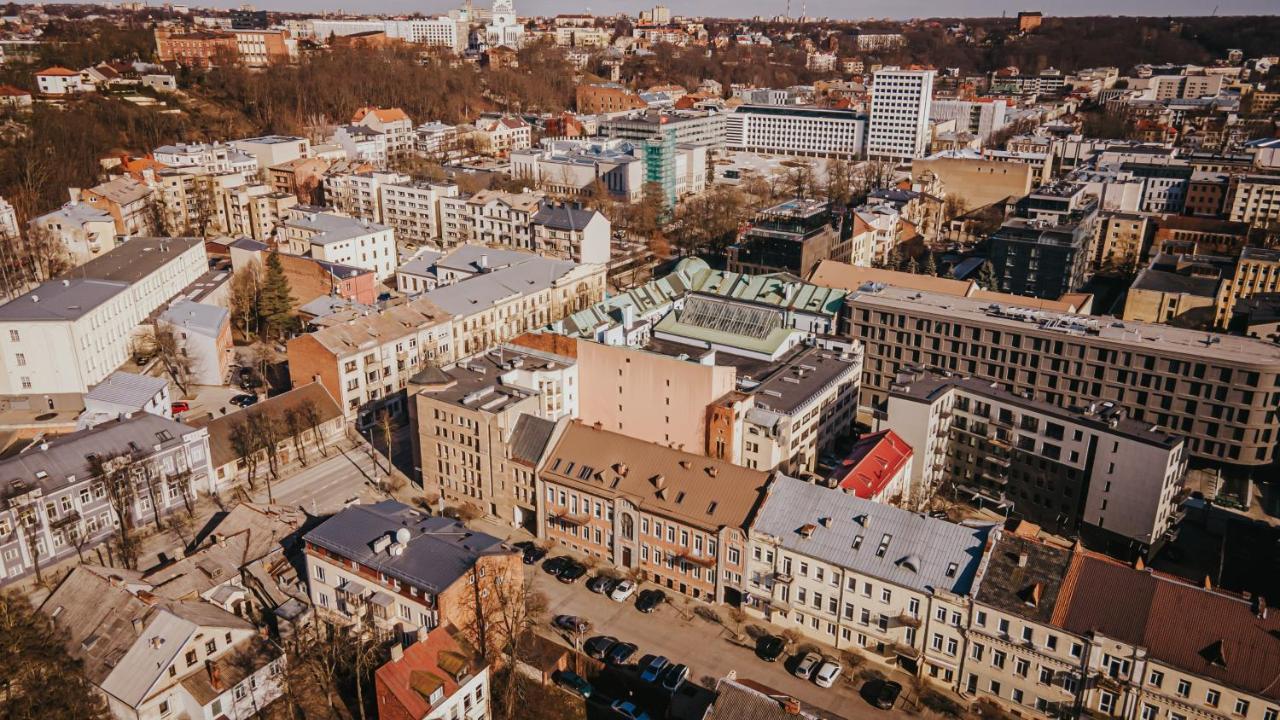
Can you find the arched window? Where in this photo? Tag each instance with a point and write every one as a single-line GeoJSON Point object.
{"type": "Point", "coordinates": [628, 527]}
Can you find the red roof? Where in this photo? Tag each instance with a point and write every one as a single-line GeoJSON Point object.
{"type": "Point", "coordinates": [383, 114]}
{"type": "Point", "coordinates": [874, 462]}
{"type": "Point", "coordinates": [60, 71]}
{"type": "Point", "coordinates": [438, 661]}
{"type": "Point", "coordinates": [11, 91]}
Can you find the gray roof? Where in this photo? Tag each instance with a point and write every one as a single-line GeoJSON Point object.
{"type": "Point", "coordinates": [55, 300]}
{"type": "Point", "coordinates": [422, 264]}
{"type": "Point", "coordinates": [331, 228]}
{"type": "Point", "coordinates": [197, 317]}
{"type": "Point", "coordinates": [136, 259]}
{"type": "Point", "coordinates": [529, 439]}
{"type": "Point", "coordinates": [737, 701]}
{"type": "Point", "coordinates": [564, 217]}
{"type": "Point", "coordinates": [466, 258]}
{"type": "Point", "coordinates": [77, 213]}
{"type": "Point", "coordinates": [483, 291]}
{"type": "Point", "coordinates": [439, 552]}
{"type": "Point", "coordinates": [122, 388]}
{"type": "Point", "coordinates": [801, 377]}
{"type": "Point", "coordinates": [1172, 282]}
{"type": "Point", "coordinates": [920, 549]}
{"type": "Point", "coordinates": [1022, 576]}
{"type": "Point", "coordinates": [68, 455]}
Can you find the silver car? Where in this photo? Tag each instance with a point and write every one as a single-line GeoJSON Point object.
{"type": "Point", "coordinates": [827, 673]}
{"type": "Point", "coordinates": [807, 665]}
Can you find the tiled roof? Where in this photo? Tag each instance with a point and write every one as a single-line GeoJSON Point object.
{"type": "Point", "coordinates": [696, 490]}
{"type": "Point", "coordinates": [220, 428]}
{"type": "Point", "coordinates": [382, 114]}
{"type": "Point", "coordinates": [1023, 576]}
{"type": "Point", "coordinates": [438, 661]}
{"type": "Point", "coordinates": [1208, 633]}
{"type": "Point", "coordinates": [873, 463]}
{"type": "Point", "coordinates": [57, 71]}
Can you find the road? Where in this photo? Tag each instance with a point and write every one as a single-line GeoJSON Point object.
{"type": "Point", "coordinates": [322, 488]}
{"type": "Point", "coordinates": [702, 645]}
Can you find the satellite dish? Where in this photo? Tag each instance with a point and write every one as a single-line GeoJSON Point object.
{"type": "Point", "coordinates": [402, 536]}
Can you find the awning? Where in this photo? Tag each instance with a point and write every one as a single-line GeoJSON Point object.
{"type": "Point", "coordinates": [349, 587]}
{"type": "Point", "coordinates": [382, 599]}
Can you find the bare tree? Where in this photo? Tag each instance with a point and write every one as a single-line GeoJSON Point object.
{"type": "Point", "coordinates": [113, 472]}
{"type": "Point", "coordinates": [309, 414]}
{"type": "Point", "coordinates": [246, 291]}
{"type": "Point", "coordinates": [244, 441]}
{"type": "Point", "coordinates": [295, 426]}
{"type": "Point", "coordinates": [266, 428]}
{"type": "Point", "coordinates": [505, 609]}
{"type": "Point", "coordinates": [170, 348]}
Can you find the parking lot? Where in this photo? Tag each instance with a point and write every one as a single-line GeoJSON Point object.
{"type": "Point", "coordinates": [683, 636]}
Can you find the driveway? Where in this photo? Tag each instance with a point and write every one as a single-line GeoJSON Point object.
{"type": "Point", "coordinates": [705, 646]}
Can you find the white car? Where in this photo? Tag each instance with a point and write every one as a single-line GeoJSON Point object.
{"type": "Point", "coordinates": [806, 665]}
{"type": "Point", "coordinates": [827, 673]}
{"type": "Point", "coordinates": [623, 590]}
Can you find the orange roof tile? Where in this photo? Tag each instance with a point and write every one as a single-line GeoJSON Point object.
{"type": "Point", "coordinates": [57, 71]}
{"type": "Point", "coordinates": [383, 114]}
{"type": "Point", "coordinates": [873, 463]}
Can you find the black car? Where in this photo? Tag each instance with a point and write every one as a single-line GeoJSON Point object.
{"type": "Point", "coordinates": [572, 681]}
{"type": "Point", "coordinates": [600, 584]}
{"type": "Point", "coordinates": [571, 572]}
{"type": "Point", "coordinates": [571, 623]}
{"type": "Point", "coordinates": [649, 600]}
{"type": "Point", "coordinates": [599, 646]}
{"type": "Point", "coordinates": [244, 400]}
{"type": "Point", "coordinates": [555, 565]}
{"type": "Point", "coordinates": [770, 647]}
{"type": "Point", "coordinates": [620, 653]}
{"type": "Point", "coordinates": [530, 553]}
{"type": "Point", "coordinates": [887, 694]}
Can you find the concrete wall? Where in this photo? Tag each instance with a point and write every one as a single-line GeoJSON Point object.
{"type": "Point", "coordinates": [977, 182]}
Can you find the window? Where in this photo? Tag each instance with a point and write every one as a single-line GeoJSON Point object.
{"type": "Point", "coordinates": [1016, 695]}
{"type": "Point", "coordinates": [239, 693]}
{"type": "Point", "coordinates": [976, 651]}
{"type": "Point", "coordinates": [1003, 626]}
{"type": "Point", "coordinates": [1076, 649]}
{"type": "Point", "coordinates": [982, 618]}
{"type": "Point", "coordinates": [1212, 698]}
{"type": "Point", "coordinates": [1156, 678]}
{"type": "Point", "coordinates": [1150, 712]}
{"type": "Point", "coordinates": [1271, 714]}
{"type": "Point", "coordinates": [1046, 676]}
{"type": "Point", "coordinates": [886, 595]}
{"type": "Point", "coordinates": [1021, 667]}
{"type": "Point", "coordinates": [191, 658]}
{"type": "Point", "coordinates": [211, 647]}
{"type": "Point", "coordinates": [997, 658]}
{"type": "Point", "coordinates": [1242, 707]}
{"type": "Point", "coordinates": [1184, 689]}
{"type": "Point", "coordinates": [1107, 702]}
{"type": "Point", "coordinates": [164, 708]}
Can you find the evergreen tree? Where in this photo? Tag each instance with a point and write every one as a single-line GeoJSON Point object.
{"type": "Point", "coordinates": [987, 277]}
{"type": "Point", "coordinates": [930, 265]}
{"type": "Point", "coordinates": [913, 267]}
{"type": "Point", "coordinates": [895, 258]}
{"type": "Point", "coordinates": [275, 306]}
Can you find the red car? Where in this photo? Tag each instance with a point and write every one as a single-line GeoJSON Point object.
{"type": "Point", "coordinates": [179, 407]}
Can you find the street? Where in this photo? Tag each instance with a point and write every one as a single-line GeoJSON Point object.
{"type": "Point", "coordinates": [325, 487]}
{"type": "Point", "coordinates": [701, 644]}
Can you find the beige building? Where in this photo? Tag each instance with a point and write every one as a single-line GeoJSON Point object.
{"type": "Point", "coordinates": [1256, 200]}
{"type": "Point", "coordinates": [975, 180]}
{"type": "Point", "coordinates": [1257, 272]}
{"type": "Point", "coordinates": [1123, 240]}
{"type": "Point", "coordinates": [366, 361]}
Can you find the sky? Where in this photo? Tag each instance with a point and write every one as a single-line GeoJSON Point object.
{"type": "Point", "coordinates": [896, 9]}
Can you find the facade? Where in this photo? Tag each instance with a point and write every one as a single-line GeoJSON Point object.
{"type": "Point", "coordinates": [605, 98]}
{"type": "Point", "coordinates": [678, 519]}
{"type": "Point", "coordinates": [271, 150]}
{"type": "Point", "coordinates": [67, 493]}
{"type": "Point", "coordinates": [126, 200]}
{"type": "Point", "coordinates": [410, 572]}
{"type": "Point", "coordinates": [204, 334]}
{"type": "Point", "coordinates": [499, 135]}
{"type": "Point", "coordinates": [855, 573]}
{"type": "Point", "coordinates": [1256, 200]}
{"type": "Point", "coordinates": [394, 125]}
{"type": "Point", "coordinates": [1044, 251]}
{"type": "Point", "coordinates": [1089, 472]}
{"type": "Point", "coordinates": [1158, 374]}
{"type": "Point", "coordinates": [1257, 272]}
{"type": "Point", "coordinates": [440, 677]}
{"type": "Point", "coordinates": [570, 232]}
{"type": "Point", "coordinates": [60, 81]}
{"type": "Point", "coordinates": [977, 181]}
{"type": "Point", "coordinates": [308, 419]}
{"type": "Point", "coordinates": [82, 229]}
{"type": "Point", "coordinates": [473, 432]}
{"type": "Point", "coordinates": [412, 210]}
{"type": "Point", "coordinates": [979, 118]}
{"type": "Point", "coordinates": [361, 142]}
{"type": "Point", "coordinates": [583, 168]}
{"type": "Point", "coordinates": [199, 49]}
{"type": "Point", "coordinates": [898, 128]}
{"type": "Point", "coordinates": [1124, 239]}
{"type": "Point", "coordinates": [796, 131]}
{"type": "Point", "coordinates": [341, 239]}
{"type": "Point", "coordinates": [365, 361]}
{"type": "Point", "coordinates": [791, 237]}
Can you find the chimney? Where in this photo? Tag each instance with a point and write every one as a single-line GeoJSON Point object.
{"type": "Point", "coordinates": [397, 652]}
{"type": "Point", "coordinates": [1022, 559]}
{"type": "Point", "coordinates": [791, 706]}
{"type": "Point", "coordinates": [1262, 607]}
{"type": "Point", "coordinates": [483, 262]}
{"type": "Point", "coordinates": [826, 521]}
{"type": "Point", "coordinates": [215, 677]}
{"type": "Point", "coordinates": [137, 625]}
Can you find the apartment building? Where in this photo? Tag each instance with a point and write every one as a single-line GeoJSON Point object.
{"type": "Point", "coordinates": [83, 230]}
{"type": "Point", "coordinates": [678, 127]}
{"type": "Point", "coordinates": [199, 49]}
{"type": "Point", "coordinates": [302, 178]}
{"type": "Point", "coordinates": [898, 128]}
{"type": "Point", "coordinates": [408, 571]}
{"type": "Point", "coordinates": [252, 211]}
{"type": "Point", "coordinates": [412, 210]}
{"type": "Point", "coordinates": [796, 131]}
{"type": "Point", "coordinates": [363, 143]}
{"type": "Point", "coordinates": [1180, 233]}
{"type": "Point", "coordinates": [501, 134]}
{"type": "Point", "coordinates": [261, 48]}
{"type": "Point", "coordinates": [394, 125]}
{"type": "Point", "coordinates": [204, 336]}
{"type": "Point", "coordinates": [126, 200]}
{"type": "Point", "coordinates": [472, 432]}
{"type": "Point", "coordinates": [677, 519]}
{"type": "Point", "coordinates": [1124, 239]}
{"type": "Point", "coordinates": [1044, 251]}
{"type": "Point", "coordinates": [1257, 272]}
{"type": "Point", "coordinates": [1088, 471]}
{"type": "Point", "coordinates": [341, 239]}
{"type": "Point", "coordinates": [152, 658]}
{"type": "Point", "coordinates": [310, 279]}
{"type": "Point", "coordinates": [207, 157]}
{"type": "Point", "coordinates": [59, 492]}
{"type": "Point", "coordinates": [1215, 390]}
{"type": "Point", "coordinates": [437, 678]}
{"type": "Point", "coordinates": [366, 361]}
{"type": "Point", "coordinates": [68, 334]}
{"type": "Point", "coordinates": [490, 217]}
{"type": "Point", "coordinates": [492, 307]}
{"type": "Point", "coordinates": [979, 118]}
{"type": "Point", "coordinates": [271, 150]}
{"type": "Point", "coordinates": [570, 232]}
{"type": "Point", "coordinates": [791, 237]}
{"type": "Point", "coordinates": [854, 573]}
{"type": "Point", "coordinates": [601, 98]}
{"type": "Point", "coordinates": [1256, 200]}
{"type": "Point", "coordinates": [977, 181]}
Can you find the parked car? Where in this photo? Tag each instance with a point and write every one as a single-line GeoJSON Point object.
{"type": "Point", "coordinates": [530, 553]}
{"type": "Point", "coordinates": [600, 584]}
{"type": "Point", "coordinates": [554, 565]}
{"type": "Point", "coordinates": [770, 647]}
{"type": "Point", "coordinates": [599, 646]}
{"type": "Point", "coordinates": [572, 572]}
{"type": "Point", "coordinates": [244, 400]}
{"type": "Point", "coordinates": [619, 654]}
{"type": "Point", "coordinates": [887, 694]}
{"type": "Point", "coordinates": [179, 406]}
{"type": "Point", "coordinates": [653, 669]}
{"type": "Point", "coordinates": [623, 590]}
{"type": "Point", "coordinates": [807, 664]}
{"type": "Point", "coordinates": [830, 670]}
{"type": "Point", "coordinates": [649, 600]}
{"type": "Point", "coordinates": [572, 623]}
{"type": "Point", "coordinates": [628, 710]}
{"type": "Point", "coordinates": [572, 681]}
{"type": "Point", "coordinates": [674, 677]}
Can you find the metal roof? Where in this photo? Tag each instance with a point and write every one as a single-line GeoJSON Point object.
{"type": "Point", "coordinates": [919, 552]}
{"type": "Point", "coordinates": [58, 300]}
{"type": "Point", "coordinates": [122, 388]}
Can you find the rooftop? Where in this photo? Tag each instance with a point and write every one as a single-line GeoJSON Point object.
{"type": "Point", "coordinates": [221, 449]}
{"type": "Point", "coordinates": [1023, 576]}
{"type": "Point", "coordinates": [699, 491]}
{"type": "Point", "coordinates": [136, 259]}
{"type": "Point", "coordinates": [128, 389]}
{"type": "Point", "coordinates": [329, 228]}
{"type": "Point", "coordinates": [800, 378]}
{"type": "Point", "coordinates": [60, 300]}
{"type": "Point", "coordinates": [439, 551]}
{"type": "Point", "coordinates": [736, 700]}
{"type": "Point", "coordinates": [488, 289]}
{"type": "Point", "coordinates": [872, 464]}
{"type": "Point", "coordinates": [199, 318]}
{"type": "Point", "coordinates": [349, 331]}
{"type": "Point", "coordinates": [1172, 282]}
{"type": "Point", "coordinates": [441, 662]}
{"type": "Point", "coordinates": [122, 190]}
{"type": "Point", "coordinates": [872, 538]}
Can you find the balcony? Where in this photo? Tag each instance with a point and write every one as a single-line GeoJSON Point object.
{"type": "Point", "coordinates": [569, 518]}
{"type": "Point", "coordinates": [906, 620]}
{"type": "Point", "coordinates": [690, 557]}
{"type": "Point", "coordinates": [994, 479]}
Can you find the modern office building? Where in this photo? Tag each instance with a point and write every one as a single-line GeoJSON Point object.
{"type": "Point", "coordinates": [1044, 251]}
{"type": "Point", "coordinates": [898, 129]}
{"type": "Point", "coordinates": [797, 131]}
{"type": "Point", "coordinates": [792, 237]}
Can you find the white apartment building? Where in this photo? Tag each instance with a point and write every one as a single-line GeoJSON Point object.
{"type": "Point", "coordinates": [854, 573]}
{"type": "Point", "coordinates": [978, 118]}
{"type": "Point", "coordinates": [271, 150]}
{"type": "Point", "coordinates": [412, 210]}
{"type": "Point", "coordinates": [441, 31]}
{"type": "Point", "coordinates": [499, 135]}
{"type": "Point", "coordinates": [360, 194]}
{"type": "Point", "coordinates": [341, 239]}
{"type": "Point", "coordinates": [253, 211]}
{"type": "Point", "coordinates": [208, 157]}
{"type": "Point", "coordinates": [490, 217]}
{"type": "Point", "coordinates": [900, 104]}
{"type": "Point", "coordinates": [60, 81]}
{"type": "Point", "coordinates": [794, 130]}
{"type": "Point", "coordinates": [437, 139]}
{"type": "Point", "coordinates": [392, 123]}
{"type": "Point", "coordinates": [362, 143]}
{"type": "Point", "coordinates": [83, 230]}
